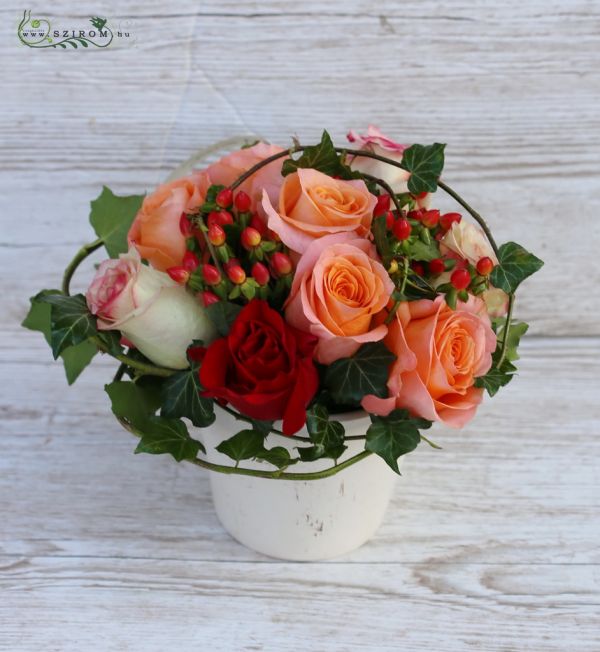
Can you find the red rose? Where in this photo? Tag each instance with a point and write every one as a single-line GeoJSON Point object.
{"type": "Point", "coordinates": [264, 367]}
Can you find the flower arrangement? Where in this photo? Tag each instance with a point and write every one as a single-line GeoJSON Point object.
{"type": "Point", "coordinates": [285, 286]}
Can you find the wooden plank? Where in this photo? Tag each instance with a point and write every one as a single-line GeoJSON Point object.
{"type": "Point", "coordinates": [79, 603]}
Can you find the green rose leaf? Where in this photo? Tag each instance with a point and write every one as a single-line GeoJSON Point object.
{"type": "Point", "coordinates": [70, 320]}
{"type": "Point", "coordinates": [327, 436]}
{"type": "Point", "coordinates": [75, 358]}
{"type": "Point", "coordinates": [277, 456]}
{"type": "Point", "coordinates": [181, 398]}
{"type": "Point", "coordinates": [111, 216]}
{"type": "Point", "coordinates": [245, 445]}
{"type": "Point", "coordinates": [366, 372]}
{"type": "Point", "coordinates": [394, 435]}
{"type": "Point", "coordinates": [497, 377]}
{"type": "Point", "coordinates": [161, 435]}
{"type": "Point", "coordinates": [425, 164]}
{"type": "Point", "coordinates": [223, 314]}
{"type": "Point", "coordinates": [516, 264]}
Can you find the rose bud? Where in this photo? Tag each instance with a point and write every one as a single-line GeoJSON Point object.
{"type": "Point", "coordinates": [151, 310]}
{"type": "Point", "coordinates": [485, 266]}
{"type": "Point", "coordinates": [430, 218]}
{"type": "Point", "coordinates": [179, 274]}
{"type": "Point", "coordinates": [190, 261]}
{"type": "Point", "coordinates": [281, 264]}
{"type": "Point", "coordinates": [383, 205]}
{"type": "Point", "coordinates": [401, 229]}
{"type": "Point", "coordinates": [448, 219]}
{"type": "Point", "coordinates": [260, 273]}
{"type": "Point", "coordinates": [236, 274]}
{"type": "Point", "coordinates": [208, 298]}
{"type": "Point", "coordinates": [185, 226]}
{"type": "Point", "coordinates": [216, 235]}
{"type": "Point", "coordinates": [211, 274]}
{"type": "Point", "coordinates": [224, 197]}
{"type": "Point", "coordinates": [242, 202]}
{"type": "Point", "coordinates": [250, 238]}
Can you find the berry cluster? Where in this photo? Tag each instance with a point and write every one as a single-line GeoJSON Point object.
{"type": "Point", "coordinates": [231, 254]}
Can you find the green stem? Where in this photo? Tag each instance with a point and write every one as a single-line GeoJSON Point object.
{"type": "Point", "coordinates": [386, 186]}
{"type": "Point", "coordinates": [397, 303]}
{"type": "Point", "coordinates": [80, 256]}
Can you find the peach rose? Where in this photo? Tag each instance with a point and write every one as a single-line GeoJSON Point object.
{"type": "Point", "coordinates": [376, 142]}
{"type": "Point", "coordinates": [338, 289]}
{"type": "Point", "coordinates": [160, 317]}
{"type": "Point", "coordinates": [439, 353]}
{"type": "Point", "coordinates": [155, 231]}
{"type": "Point", "coordinates": [312, 205]}
{"type": "Point", "coordinates": [466, 241]}
{"type": "Point", "coordinates": [227, 169]}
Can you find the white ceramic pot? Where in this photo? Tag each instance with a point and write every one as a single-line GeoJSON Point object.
{"type": "Point", "coordinates": [300, 520]}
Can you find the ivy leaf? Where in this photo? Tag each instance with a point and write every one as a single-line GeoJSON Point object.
{"type": "Point", "coordinates": [75, 358]}
{"type": "Point", "coordinates": [425, 164]}
{"type": "Point", "coordinates": [134, 402]}
{"type": "Point", "coordinates": [366, 372]}
{"type": "Point", "coordinates": [277, 456]}
{"type": "Point", "coordinates": [111, 216]}
{"type": "Point", "coordinates": [497, 377]}
{"type": "Point", "coordinates": [263, 427]}
{"type": "Point", "coordinates": [245, 445]}
{"type": "Point", "coordinates": [70, 320]}
{"type": "Point", "coordinates": [223, 314]}
{"type": "Point", "coordinates": [181, 398]}
{"type": "Point", "coordinates": [322, 157]}
{"type": "Point", "coordinates": [394, 435]}
{"type": "Point", "coordinates": [327, 436]}
{"type": "Point", "coordinates": [161, 435]}
{"type": "Point", "coordinates": [516, 264]}
{"type": "Point", "coordinates": [515, 333]}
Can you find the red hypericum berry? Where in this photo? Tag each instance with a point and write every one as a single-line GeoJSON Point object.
{"type": "Point", "coordinates": [418, 268]}
{"type": "Point", "coordinates": [460, 279]}
{"type": "Point", "coordinates": [216, 235]}
{"type": "Point", "coordinates": [431, 218]}
{"type": "Point", "coordinates": [232, 262]}
{"type": "Point", "coordinates": [211, 274]}
{"type": "Point", "coordinates": [236, 274]}
{"type": "Point", "coordinates": [208, 298]}
{"type": "Point", "coordinates": [197, 353]}
{"type": "Point", "coordinates": [436, 266]}
{"type": "Point", "coordinates": [448, 219]}
{"type": "Point", "coordinates": [401, 229]}
{"type": "Point", "coordinates": [185, 226]}
{"type": "Point", "coordinates": [260, 273]}
{"type": "Point", "coordinates": [179, 274]}
{"type": "Point", "coordinates": [389, 220]}
{"type": "Point", "coordinates": [415, 215]}
{"type": "Point", "coordinates": [250, 238]}
{"type": "Point", "coordinates": [219, 217]}
{"type": "Point", "coordinates": [383, 205]}
{"type": "Point", "coordinates": [485, 265]}
{"type": "Point", "coordinates": [421, 195]}
{"type": "Point", "coordinates": [258, 224]}
{"type": "Point", "coordinates": [281, 264]}
{"type": "Point", "coordinates": [242, 202]}
{"type": "Point", "coordinates": [190, 261]}
{"type": "Point", "coordinates": [224, 198]}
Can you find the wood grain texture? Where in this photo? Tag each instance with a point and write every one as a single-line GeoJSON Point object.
{"type": "Point", "coordinates": [491, 544]}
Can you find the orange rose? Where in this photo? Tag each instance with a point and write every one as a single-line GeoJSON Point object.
{"type": "Point", "coordinates": [312, 205]}
{"type": "Point", "coordinates": [155, 231]}
{"type": "Point", "coordinates": [338, 288]}
{"type": "Point", "coordinates": [439, 352]}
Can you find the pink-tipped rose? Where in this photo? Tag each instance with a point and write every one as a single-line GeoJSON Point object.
{"type": "Point", "coordinates": [339, 287]}
{"type": "Point", "coordinates": [439, 352]}
{"type": "Point", "coordinates": [465, 241]}
{"type": "Point", "coordinates": [312, 205]}
{"type": "Point", "coordinates": [160, 317]}
{"type": "Point", "coordinates": [155, 231]}
{"type": "Point", "coordinates": [376, 142]}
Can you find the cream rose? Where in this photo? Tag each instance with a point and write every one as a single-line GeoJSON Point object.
{"type": "Point", "coordinates": [160, 317]}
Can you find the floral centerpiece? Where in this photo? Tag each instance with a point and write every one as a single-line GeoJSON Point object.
{"type": "Point", "coordinates": [284, 287]}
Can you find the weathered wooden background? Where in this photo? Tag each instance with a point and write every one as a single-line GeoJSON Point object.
{"type": "Point", "coordinates": [491, 544]}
